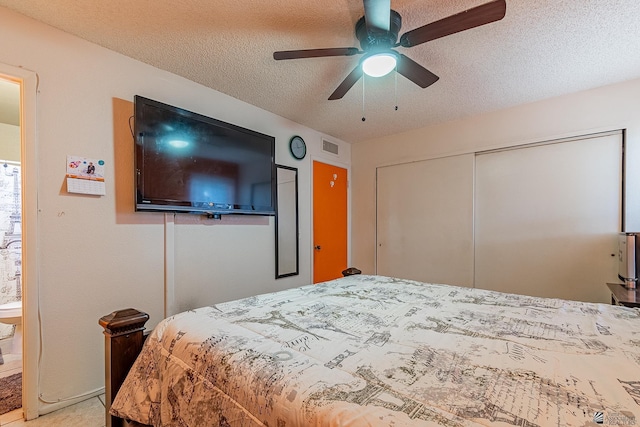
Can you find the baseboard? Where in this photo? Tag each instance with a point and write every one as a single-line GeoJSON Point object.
{"type": "Point", "coordinates": [46, 408]}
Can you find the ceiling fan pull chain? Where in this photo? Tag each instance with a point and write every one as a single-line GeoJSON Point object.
{"type": "Point", "coordinates": [396, 84]}
{"type": "Point", "coordinates": [363, 79]}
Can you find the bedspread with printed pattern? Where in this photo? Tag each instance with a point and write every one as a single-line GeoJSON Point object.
{"type": "Point", "coordinates": [379, 351]}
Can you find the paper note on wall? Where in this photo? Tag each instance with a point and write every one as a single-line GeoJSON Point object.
{"type": "Point", "coordinates": [85, 175]}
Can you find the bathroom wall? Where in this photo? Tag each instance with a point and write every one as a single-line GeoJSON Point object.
{"type": "Point", "coordinates": [9, 141]}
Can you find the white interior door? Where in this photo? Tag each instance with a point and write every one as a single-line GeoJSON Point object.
{"type": "Point", "coordinates": [425, 220]}
{"type": "Point", "coordinates": [546, 218]}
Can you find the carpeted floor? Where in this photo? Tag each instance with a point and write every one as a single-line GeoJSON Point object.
{"type": "Point", "coordinates": [10, 393]}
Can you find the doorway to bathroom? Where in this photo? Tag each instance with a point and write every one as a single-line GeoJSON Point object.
{"type": "Point", "coordinates": [11, 363]}
{"type": "Point", "coordinates": [27, 82]}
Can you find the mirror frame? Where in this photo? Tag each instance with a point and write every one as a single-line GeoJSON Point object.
{"type": "Point", "coordinates": [278, 227]}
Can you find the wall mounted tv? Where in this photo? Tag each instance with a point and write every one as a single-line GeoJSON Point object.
{"type": "Point", "coordinates": [187, 162]}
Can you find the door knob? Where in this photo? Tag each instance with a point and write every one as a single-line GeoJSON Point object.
{"type": "Point", "coordinates": [317, 247]}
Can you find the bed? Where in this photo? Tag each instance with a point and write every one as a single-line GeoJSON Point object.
{"type": "Point", "coordinates": [379, 351]}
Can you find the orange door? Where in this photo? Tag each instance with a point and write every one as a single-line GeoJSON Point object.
{"type": "Point", "coordinates": [329, 221]}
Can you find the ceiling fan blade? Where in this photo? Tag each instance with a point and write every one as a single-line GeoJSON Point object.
{"type": "Point", "coordinates": [474, 17]}
{"type": "Point", "coordinates": [315, 53]}
{"type": "Point", "coordinates": [347, 83]}
{"type": "Point", "coordinates": [415, 72]}
{"type": "Point", "coordinates": [377, 15]}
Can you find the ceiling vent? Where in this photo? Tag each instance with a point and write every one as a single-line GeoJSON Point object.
{"type": "Point", "coordinates": [330, 147]}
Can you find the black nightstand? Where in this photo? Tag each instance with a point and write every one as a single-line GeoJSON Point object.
{"type": "Point", "coordinates": [620, 295]}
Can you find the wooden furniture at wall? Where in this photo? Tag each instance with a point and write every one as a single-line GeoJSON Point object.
{"type": "Point", "coordinates": [621, 295]}
{"type": "Point", "coordinates": [124, 338]}
{"type": "Point", "coordinates": [350, 271]}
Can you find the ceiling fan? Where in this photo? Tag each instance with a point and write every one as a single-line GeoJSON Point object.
{"type": "Point", "coordinates": [378, 31]}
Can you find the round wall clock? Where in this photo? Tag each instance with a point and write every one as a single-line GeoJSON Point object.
{"type": "Point", "coordinates": [298, 147]}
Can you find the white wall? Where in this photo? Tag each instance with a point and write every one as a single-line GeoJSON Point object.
{"type": "Point", "coordinates": [606, 108]}
{"type": "Point", "coordinates": [96, 254]}
{"type": "Point", "coordinates": [9, 142]}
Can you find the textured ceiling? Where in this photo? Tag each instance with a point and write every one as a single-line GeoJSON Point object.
{"type": "Point", "coordinates": [542, 48]}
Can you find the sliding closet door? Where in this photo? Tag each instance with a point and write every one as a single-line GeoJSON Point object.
{"type": "Point", "coordinates": [546, 218]}
{"type": "Point", "coordinates": [425, 220]}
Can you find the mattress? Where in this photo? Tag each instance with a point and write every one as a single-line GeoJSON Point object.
{"type": "Point", "coordinates": [380, 351]}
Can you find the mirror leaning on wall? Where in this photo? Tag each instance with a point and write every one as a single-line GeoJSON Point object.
{"type": "Point", "coordinates": [287, 257]}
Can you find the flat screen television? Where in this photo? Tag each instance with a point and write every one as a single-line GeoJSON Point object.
{"type": "Point", "coordinates": [187, 162]}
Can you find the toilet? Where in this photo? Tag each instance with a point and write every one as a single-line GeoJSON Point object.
{"type": "Point", "coordinates": [11, 314]}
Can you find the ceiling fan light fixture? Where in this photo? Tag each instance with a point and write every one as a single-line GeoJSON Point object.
{"type": "Point", "coordinates": [379, 64]}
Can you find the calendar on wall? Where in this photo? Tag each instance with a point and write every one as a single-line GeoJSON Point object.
{"type": "Point", "coordinates": [85, 175]}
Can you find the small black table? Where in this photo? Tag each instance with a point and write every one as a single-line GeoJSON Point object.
{"type": "Point", "coordinates": [620, 295]}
